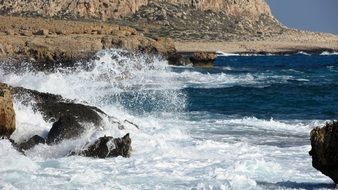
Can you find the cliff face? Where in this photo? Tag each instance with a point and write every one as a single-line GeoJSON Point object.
{"type": "Point", "coordinates": [101, 9]}
{"type": "Point", "coordinates": [208, 20]}
{"type": "Point", "coordinates": [180, 19]}
{"type": "Point", "coordinates": [246, 8]}
{"type": "Point", "coordinates": [112, 9]}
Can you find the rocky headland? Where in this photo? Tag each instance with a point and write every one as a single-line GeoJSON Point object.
{"type": "Point", "coordinates": [65, 30]}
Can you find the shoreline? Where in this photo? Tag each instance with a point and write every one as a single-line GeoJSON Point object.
{"type": "Point", "coordinates": [60, 41]}
{"type": "Point", "coordinates": [257, 47]}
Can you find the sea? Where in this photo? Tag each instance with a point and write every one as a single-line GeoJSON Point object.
{"type": "Point", "coordinates": [242, 124]}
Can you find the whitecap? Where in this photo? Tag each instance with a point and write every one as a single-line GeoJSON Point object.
{"type": "Point", "coordinates": [329, 53]}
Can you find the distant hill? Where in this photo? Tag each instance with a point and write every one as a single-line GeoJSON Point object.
{"type": "Point", "coordinates": [186, 19]}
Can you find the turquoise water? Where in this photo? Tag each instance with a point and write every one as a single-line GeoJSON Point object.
{"type": "Point", "coordinates": [243, 124]}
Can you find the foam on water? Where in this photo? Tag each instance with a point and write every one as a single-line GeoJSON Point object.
{"type": "Point", "coordinates": [328, 53]}
{"type": "Point", "coordinates": [116, 72]}
{"type": "Point", "coordinates": [173, 149]}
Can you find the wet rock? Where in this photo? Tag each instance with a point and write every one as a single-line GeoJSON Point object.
{"type": "Point", "coordinates": [203, 58]}
{"type": "Point", "coordinates": [71, 117]}
{"type": "Point", "coordinates": [65, 128]}
{"type": "Point", "coordinates": [199, 59]}
{"type": "Point", "coordinates": [109, 147]}
{"type": "Point", "coordinates": [324, 152]}
{"type": "Point", "coordinates": [179, 59]}
{"type": "Point", "coordinates": [7, 114]}
{"type": "Point", "coordinates": [54, 107]}
{"type": "Point", "coordinates": [35, 140]}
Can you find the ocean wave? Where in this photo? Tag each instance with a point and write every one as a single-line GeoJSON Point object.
{"type": "Point", "coordinates": [303, 53]}
{"type": "Point", "coordinates": [220, 53]}
{"type": "Point", "coordinates": [171, 149]}
{"type": "Point", "coordinates": [329, 53]}
{"type": "Point", "coordinates": [116, 75]}
{"type": "Point", "coordinates": [276, 125]}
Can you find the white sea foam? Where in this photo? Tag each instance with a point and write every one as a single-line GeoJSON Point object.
{"type": "Point", "coordinates": [303, 53]}
{"type": "Point", "coordinates": [220, 53]}
{"type": "Point", "coordinates": [170, 150]}
{"type": "Point", "coordinates": [328, 53]}
{"type": "Point", "coordinates": [272, 124]}
{"type": "Point", "coordinates": [26, 118]}
{"type": "Point", "coordinates": [114, 74]}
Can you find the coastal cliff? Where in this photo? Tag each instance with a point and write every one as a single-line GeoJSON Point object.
{"type": "Point", "coordinates": [100, 9]}
{"type": "Point", "coordinates": [67, 30]}
{"type": "Point", "coordinates": [184, 19]}
{"type": "Point", "coordinates": [112, 9]}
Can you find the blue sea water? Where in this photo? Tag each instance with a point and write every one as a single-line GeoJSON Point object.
{"type": "Point", "coordinates": [286, 87]}
{"type": "Point", "coordinates": [242, 124]}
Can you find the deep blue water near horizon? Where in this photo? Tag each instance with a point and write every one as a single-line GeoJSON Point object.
{"type": "Point", "coordinates": [242, 124]}
{"type": "Point", "coordinates": [288, 87]}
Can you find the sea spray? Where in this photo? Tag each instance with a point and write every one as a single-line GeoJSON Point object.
{"type": "Point", "coordinates": [215, 128]}
{"type": "Point", "coordinates": [133, 81]}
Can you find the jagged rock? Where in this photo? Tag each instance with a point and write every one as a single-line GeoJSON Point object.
{"type": "Point", "coordinates": [203, 58]}
{"type": "Point", "coordinates": [69, 114]}
{"type": "Point", "coordinates": [7, 114]}
{"type": "Point", "coordinates": [109, 147]}
{"type": "Point", "coordinates": [324, 152]}
{"type": "Point", "coordinates": [35, 140]}
{"type": "Point", "coordinates": [65, 128]}
{"type": "Point", "coordinates": [179, 59]}
{"type": "Point", "coordinates": [54, 107]}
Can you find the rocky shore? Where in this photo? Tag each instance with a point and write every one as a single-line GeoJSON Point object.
{"type": "Point", "coordinates": [184, 32]}
{"type": "Point", "coordinates": [324, 152]}
{"type": "Point", "coordinates": [71, 120]}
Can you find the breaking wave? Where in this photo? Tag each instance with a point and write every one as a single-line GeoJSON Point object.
{"type": "Point", "coordinates": [173, 149]}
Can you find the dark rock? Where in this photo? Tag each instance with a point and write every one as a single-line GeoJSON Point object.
{"type": "Point", "coordinates": [71, 117]}
{"type": "Point", "coordinates": [54, 106]}
{"type": "Point", "coordinates": [324, 152]}
{"type": "Point", "coordinates": [109, 147]}
{"type": "Point", "coordinates": [203, 58]}
{"type": "Point", "coordinates": [35, 140]}
{"type": "Point", "coordinates": [65, 128]}
{"type": "Point", "coordinates": [179, 59]}
{"type": "Point", "coordinates": [199, 59]}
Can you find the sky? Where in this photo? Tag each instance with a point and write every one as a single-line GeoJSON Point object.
{"type": "Point", "coordinates": [312, 15]}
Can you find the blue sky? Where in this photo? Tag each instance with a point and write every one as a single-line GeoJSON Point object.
{"type": "Point", "coordinates": [313, 15]}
